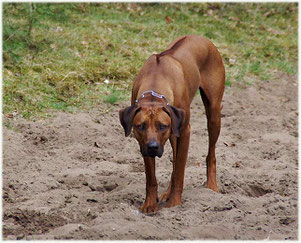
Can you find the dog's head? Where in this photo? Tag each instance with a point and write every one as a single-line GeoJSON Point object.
{"type": "Point", "coordinates": [152, 126]}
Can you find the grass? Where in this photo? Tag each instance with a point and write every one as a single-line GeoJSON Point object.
{"type": "Point", "coordinates": [58, 56]}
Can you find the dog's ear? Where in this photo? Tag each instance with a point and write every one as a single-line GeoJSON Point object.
{"type": "Point", "coordinates": [126, 117]}
{"type": "Point", "coordinates": [177, 116]}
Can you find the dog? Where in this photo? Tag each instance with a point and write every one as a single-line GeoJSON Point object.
{"type": "Point", "coordinates": [160, 110]}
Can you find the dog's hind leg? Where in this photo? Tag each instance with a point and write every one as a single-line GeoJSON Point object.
{"type": "Point", "coordinates": [213, 113]}
{"type": "Point", "coordinates": [212, 88]}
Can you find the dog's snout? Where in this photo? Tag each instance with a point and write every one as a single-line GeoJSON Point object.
{"type": "Point", "coordinates": [153, 145]}
{"type": "Point", "coordinates": [152, 149]}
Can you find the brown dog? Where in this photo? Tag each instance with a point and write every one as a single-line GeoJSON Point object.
{"type": "Point", "coordinates": [160, 110]}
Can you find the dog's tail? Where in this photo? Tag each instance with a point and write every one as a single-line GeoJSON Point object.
{"type": "Point", "coordinates": [170, 50]}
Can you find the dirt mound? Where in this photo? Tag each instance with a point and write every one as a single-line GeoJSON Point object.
{"type": "Point", "coordinates": [76, 176]}
{"type": "Point", "coordinates": [26, 222]}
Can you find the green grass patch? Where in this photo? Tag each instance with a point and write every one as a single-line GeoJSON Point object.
{"type": "Point", "coordinates": [57, 56]}
{"type": "Point", "coordinates": [111, 99]}
{"type": "Point", "coordinates": [228, 83]}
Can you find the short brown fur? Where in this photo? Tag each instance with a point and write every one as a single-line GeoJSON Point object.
{"type": "Point", "coordinates": [190, 63]}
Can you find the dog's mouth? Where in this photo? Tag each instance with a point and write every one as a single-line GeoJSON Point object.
{"type": "Point", "coordinates": [151, 152]}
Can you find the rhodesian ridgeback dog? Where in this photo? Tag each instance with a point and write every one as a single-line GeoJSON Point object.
{"type": "Point", "coordinates": [160, 110]}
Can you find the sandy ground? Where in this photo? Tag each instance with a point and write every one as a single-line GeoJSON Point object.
{"type": "Point", "coordinates": [76, 176]}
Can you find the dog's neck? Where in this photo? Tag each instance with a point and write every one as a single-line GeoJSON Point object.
{"type": "Point", "coordinates": [152, 96]}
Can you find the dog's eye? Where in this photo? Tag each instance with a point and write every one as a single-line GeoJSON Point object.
{"type": "Point", "coordinates": [163, 127]}
{"type": "Point", "coordinates": [141, 127]}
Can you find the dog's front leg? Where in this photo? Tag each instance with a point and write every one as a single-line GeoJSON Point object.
{"type": "Point", "coordinates": [177, 183]}
{"type": "Point", "coordinates": [151, 201]}
{"type": "Point", "coordinates": [173, 142]}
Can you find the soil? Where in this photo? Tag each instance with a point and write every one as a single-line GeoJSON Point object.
{"type": "Point", "coordinates": [75, 176]}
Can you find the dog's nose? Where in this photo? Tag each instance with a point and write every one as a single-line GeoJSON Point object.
{"type": "Point", "coordinates": [153, 146]}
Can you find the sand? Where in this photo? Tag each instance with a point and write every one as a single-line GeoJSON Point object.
{"type": "Point", "coordinates": [75, 176]}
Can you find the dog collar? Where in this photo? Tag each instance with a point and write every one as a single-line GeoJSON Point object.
{"type": "Point", "coordinates": [153, 93]}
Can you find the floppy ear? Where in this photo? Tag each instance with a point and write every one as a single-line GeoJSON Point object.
{"type": "Point", "coordinates": [126, 117]}
{"type": "Point", "coordinates": [177, 116]}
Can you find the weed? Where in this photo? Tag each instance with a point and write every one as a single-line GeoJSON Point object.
{"type": "Point", "coordinates": [228, 83]}
{"type": "Point", "coordinates": [112, 98]}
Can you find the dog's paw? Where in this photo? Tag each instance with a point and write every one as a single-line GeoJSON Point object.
{"type": "Point", "coordinates": [165, 196]}
{"type": "Point", "coordinates": [174, 201]}
{"type": "Point", "coordinates": [149, 207]}
{"type": "Point", "coordinates": [212, 186]}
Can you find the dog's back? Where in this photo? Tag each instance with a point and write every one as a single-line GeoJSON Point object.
{"type": "Point", "coordinates": [186, 63]}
